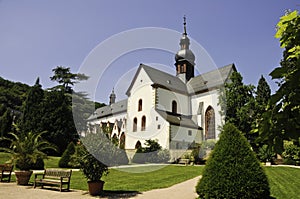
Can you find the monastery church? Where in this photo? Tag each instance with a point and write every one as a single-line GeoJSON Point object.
{"type": "Point", "coordinates": [177, 110]}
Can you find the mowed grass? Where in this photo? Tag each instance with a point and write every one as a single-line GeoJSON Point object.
{"type": "Point", "coordinates": [284, 182]}
{"type": "Point", "coordinates": [140, 179]}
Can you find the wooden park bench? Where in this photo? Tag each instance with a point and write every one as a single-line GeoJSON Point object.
{"type": "Point", "coordinates": [5, 172]}
{"type": "Point", "coordinates": [53, 177]}
{"type": "Point", "coordinates": [184, 161]}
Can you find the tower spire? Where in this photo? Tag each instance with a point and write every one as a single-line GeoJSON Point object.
{"type": "Point", "coordinates": [112, 97]}
{"type": "Point", "coordinates": [184, 25]}
{"type": "Point", "coordinates": [185, 58]}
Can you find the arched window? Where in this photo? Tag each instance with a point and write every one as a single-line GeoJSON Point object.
{"type": "Point", "coordinates": [210, 129]}
{"type": "Point", "coordinates": [134, 125]}
{"type": "Point", "coordinates": [138, 145]}
{"type": "Point", "coordinates": [140, 106]}
{"type": "Point", "coordinates": [122, 141]}
{"type": "Point", "coordinates": [143, 123]}
{"type": "Point", "coordinates": [174, 106]}
{"type": "Point", "coordinates": [115, 140]}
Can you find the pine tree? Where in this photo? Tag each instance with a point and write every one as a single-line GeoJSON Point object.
{"type": "Point", "coordinates": [232, 170]}
{"type": "Point", "coordinates": [32, 109]}
{"type": "Point", "coordinates": [263, 94]}
{"type": "Point", "coordinates": [238, 104]}
{"type": "Point", "coordinates": [66, 156]}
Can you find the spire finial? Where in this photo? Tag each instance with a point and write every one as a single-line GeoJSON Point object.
{"type": "Point", "coordinates": [112, 97]}
{"type": "Point", "coordinates": [184, 24]}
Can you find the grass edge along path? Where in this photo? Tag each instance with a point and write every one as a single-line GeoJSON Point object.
{"type": "Point", "coordinates": [284, 181]}
{"type": "Point", "coordinates": [129, 179]}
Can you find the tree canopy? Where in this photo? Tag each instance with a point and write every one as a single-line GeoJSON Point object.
{"type": "Point", "coordinates": [281, 121]}
{"type": "Point", "coordinates": [65, 78]}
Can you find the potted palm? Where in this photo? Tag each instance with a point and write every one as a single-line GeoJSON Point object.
{"type": "Point", "coordinates": [27, 153]}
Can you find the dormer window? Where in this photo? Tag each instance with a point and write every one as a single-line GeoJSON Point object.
{"type": "Point", "coordinates": [174, 106]}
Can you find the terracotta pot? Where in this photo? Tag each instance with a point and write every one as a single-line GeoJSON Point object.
{"type": "Point", "coordinates": [23, 177]}
{"type": "Point", "coordinates": [95, 187]}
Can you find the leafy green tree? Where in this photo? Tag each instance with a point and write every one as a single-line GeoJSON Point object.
{"type": "Point", "coordinates": [32, 109]}
{"type": "Point", "coordinates": [12, 94]}
{"type": "Point", "coordinates": [238, 104]}
{"type": "Point", "coordinates": [58, 120]}
{"type": "Point", "coordinates": [66, 79]}
{"type": "Point", "coordinates": [232, 170]}
{"type": "Point", "coordinates": [6, 122]}
{"type": "Point", "coordinates": [281, 120]}
{"type": "Point", "coordinates": [263, 94]}
{"type": "Point", "coordinates": [151, 153]}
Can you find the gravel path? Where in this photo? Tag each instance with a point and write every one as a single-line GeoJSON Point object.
{"type": "Point", "coordinates": [185, 190]}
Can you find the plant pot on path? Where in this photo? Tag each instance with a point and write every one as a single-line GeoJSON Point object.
{"type": "Point", "coordinates": [95, 187]}
{"type": "Point", "coordinates": [23, 177]}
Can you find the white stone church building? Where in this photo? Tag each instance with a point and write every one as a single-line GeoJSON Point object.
{"type": "Point", "coordinates": [177, 110]}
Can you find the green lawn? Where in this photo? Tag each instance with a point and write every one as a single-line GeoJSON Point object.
{"type": "Point", "coordinates": [125, 179]}
{"type": "Point", "coordinates": [284, 181]}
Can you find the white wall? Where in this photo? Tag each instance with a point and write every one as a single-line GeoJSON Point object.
{"type": "Point", "coordinates": [209, 99]}
{"type": "Point", "coordinates": [181, 134]}
{"type": "Point", "coordinates": [165, 98]}
{"type": "Point", "coordinates": [142, 89]}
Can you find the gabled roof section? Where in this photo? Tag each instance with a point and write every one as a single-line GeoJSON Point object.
{"type": "Point", "coordinates": [115, 108]}
{"type": "Point", "coordinates": [160, 79]}
{"type": "Point", "coordinates": [210, 80]}
{"type": "Point", "coordinates": [179, 120]}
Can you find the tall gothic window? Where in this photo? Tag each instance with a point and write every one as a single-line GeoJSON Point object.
{"type": "Point", "coordinates": [140, 105]}
{"type": "Point", "coordinates": [210, 129]}
{"type": "Point", "coordinates": [122, 141]}
{"type": "Point", "coordinates": [143, 123]}
{"type": "Point", "coordinates": [134, 125]}
{"type": "Point", "coordinates": [174, 106]}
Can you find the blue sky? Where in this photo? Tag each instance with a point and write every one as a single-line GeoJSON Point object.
{"type": "Point", "coordinates": [38, 35]}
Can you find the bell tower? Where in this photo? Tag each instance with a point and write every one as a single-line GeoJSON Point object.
{"type": "Point", "coordinates": [184, 58]}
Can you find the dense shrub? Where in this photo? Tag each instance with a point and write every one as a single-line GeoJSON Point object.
{"type": "Point", "coordinates": [232, 170]}
{"type": "Point", "coordinates": [66, 156]}
{"type": "Point", "coordinates": [265, 154]}
{"type": "Point", "coordinates": [107, 152]}
{"type": "Point", "coordinates": [163, 156]}
{"type": "Point", "coordinates": [152, 153]}
{"type": "Point", "coordinates": [291, 154]}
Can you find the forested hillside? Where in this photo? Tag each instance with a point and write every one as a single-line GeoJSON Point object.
{"type": "Point", "coordinates": [32, 109]}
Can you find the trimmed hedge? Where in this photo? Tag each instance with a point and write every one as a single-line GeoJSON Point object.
{"type": "Point", "coordinates": [232, 170]}
{"type": "Point", "coordinates": [66, 156]}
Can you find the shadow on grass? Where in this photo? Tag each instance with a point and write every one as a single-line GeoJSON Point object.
{"type": "Point", "coordinates": [119, 194]}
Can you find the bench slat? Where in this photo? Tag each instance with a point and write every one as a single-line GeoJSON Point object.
{"type": "Point", "coordinates": [54, 177]}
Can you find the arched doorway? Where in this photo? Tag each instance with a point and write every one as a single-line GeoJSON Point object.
{"type": "Point", "coordinates": [138, 145]}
